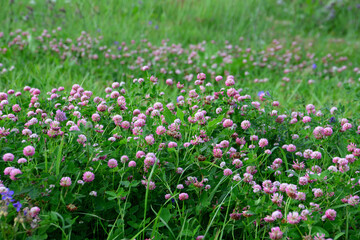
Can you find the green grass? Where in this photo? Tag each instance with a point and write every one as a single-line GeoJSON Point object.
{"type": "Point", "coordinates": [331, 26]}
{"type": "Point", "coordinates": [187, 21]}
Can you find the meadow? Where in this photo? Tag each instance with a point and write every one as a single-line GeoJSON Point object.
{"type": "Point", "coordinates": [179, 119]}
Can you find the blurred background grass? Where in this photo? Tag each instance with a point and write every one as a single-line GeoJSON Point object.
{"type": "Point", "coordinates": [332, 26]}
{"type": "Point", "coordinates": [187, 21]}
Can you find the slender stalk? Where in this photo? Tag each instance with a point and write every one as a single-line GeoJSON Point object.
{"type": "Point", "coordinates": [147, 195]}
{"type": "Point", "coordinates": [58, 159]}
{"type": "Point", "coordinates": [347, 224]}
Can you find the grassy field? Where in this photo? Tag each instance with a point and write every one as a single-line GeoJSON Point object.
{"type": "Point", "coordinates": [331, 26]}
{"type": "Point", "coordinates": [146, 56]}
{"type": "Point", "coordinates": [188, 21]}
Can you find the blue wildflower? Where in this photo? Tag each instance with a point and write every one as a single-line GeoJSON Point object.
{"type": "Point", "coordinates": [262, 92]}
{"type": "Point", "coordinates": [259, 93]}
{"type": "Point", "coordinates": [150, 22]}
{"type": "Point", "coordinates": [7, 197]}
{"type": "Point", "coordinates": [8, 193]}
{"type": "Point", "coordinates": [332, 120]}
{"type": "Point", "coordinates": [18, 206]}
{"type": "Point", "coordinates": [314, 66]}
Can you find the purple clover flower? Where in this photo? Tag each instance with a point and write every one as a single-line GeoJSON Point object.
{"type": "Point", "coordinates": [60, 116]}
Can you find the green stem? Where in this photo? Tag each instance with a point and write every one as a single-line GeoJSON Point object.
{"type": "Point", "coordinates": [58, 159]}
{"type": "Point", "coordinates": [347, 223]}
{"type": "Point", "coordinates": [298, 230]}
{"type": "Point", "coordinates": [147, 195]}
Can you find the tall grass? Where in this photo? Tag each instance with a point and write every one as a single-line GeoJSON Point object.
{"type": "Point", "coordinates": [186, 21]}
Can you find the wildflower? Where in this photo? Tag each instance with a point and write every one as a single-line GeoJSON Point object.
{"type": "Point", "coordinates": [276, 233]}
{"type": "Point", "coordinates": [317, 192]}
{"type": "Point", "coordinates": [245, 124]}
{"type": "Point", "coordinates": [227, 172]}
{"type": "Point", "coordinates": [316, 155]}
{"type": "Point", "coordinates": [277, 214]}
{"type": "Point", "coordinates": [112, 163]}
{"type": "Point", "coordinates": [124, 159]}
{"type": "Point", "coordinates": [16, 108]}
{"type": "Point", "coordinates": [8, 157]}
{"type": "Point", "coordinates": [172, 145]}
{"type": "Point", "coordinates": [330, 214]}
{"type": "Point", "coordinates": [132, 164]}
{"type": "Point", "coordinates": [81, 139]}
{"type": "Point", "coordinates": [351, 147]}
{"type": "Point", "coordinates": [293, 218]}
{"type": "Point", "coordinates": [71, 207]}
{"type": "Point", "coordinates": [218, 78]}
{"type": "Point", "coordinates": [327, 131]}
{"type": "Point", "coordinates": [60, 116]}
{"type": "Point", "coordinates": [306, 119]}
{"type": "Point", "coordinates": [93, 193]}
{"type": "Point", "coordinates": [263, 142]}
{"type": "Point", "coordinates": [7, 170]}
{"type": "Point", "coordinates": [29, 151]}
{"type": "Point", "coordinates": [88, 176]}
{"type": "Point", "coordinates": [17, 206]}
{"type": "Point", "coordinates": [227, 123]}
{"type": "Point", "coordinates": [65, 182]}
{"type": "Point", "coordinates": [318, 132]}
{"type": "Point", "coordinates": [217, 153]}
{"type": "Point", "coordinates": [291, 190]}
{"type": "Point", "coordinates": [310, 108]}
{"type": "Point", "coordinates": [183, 196]}
{"type": "Point", "coordinates": [95, 117]}
{"type": "Point", "coordinates": [254, 138]}
{"type": "Point", "coordinates": [303, 181]}
{"type": "Point", "coordinates": [238, 163]}
{"type": "Point", "coordinates": [346, 126]}
{"type": "Point", "coordinates": [291, 148]}
{"type": "Point", "coordinates": [237, 178]}
{"type": "Point", "coordinates": [160, 130]}
{"type": "Point", "coordinates": [34, 211]}
{"type": "Point", "coordinates": [14, 173]}
{"type": "Point", "coordinates": [277, 199]}
{"type": "Point", "coordinates": [22, 160]}
{"type": "Point", "coordinates": [235, 215]}
{"type": "Point", "coordinates": [353, 200]}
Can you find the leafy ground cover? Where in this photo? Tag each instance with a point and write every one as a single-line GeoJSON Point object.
{"type": "Point", "coordinates": [179, 120]}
